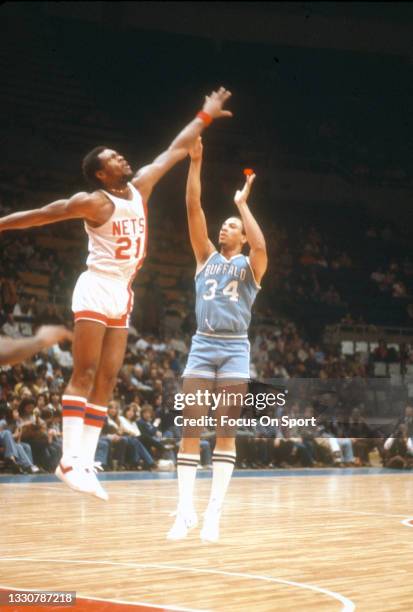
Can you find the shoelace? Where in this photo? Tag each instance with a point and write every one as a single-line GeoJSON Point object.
{"type": "Point", "coordinates": [95, 467]}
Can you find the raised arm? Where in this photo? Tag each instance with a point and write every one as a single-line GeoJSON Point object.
{"type": "Point", "coordinates": [147, 177]}
{"type": "Point", "coordinates": [80, 206]}
{"type": "Point", "coordinates": [198, 232]}
{"type": "Point", "coordinates": [255, 237]}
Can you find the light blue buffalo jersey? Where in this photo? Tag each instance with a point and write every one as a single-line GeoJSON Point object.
{"type": "Point", "coordinates": [225, 292]}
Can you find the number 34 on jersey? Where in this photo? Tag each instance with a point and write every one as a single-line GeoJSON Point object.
{"type": "Point", "coordinates": [231, 290]}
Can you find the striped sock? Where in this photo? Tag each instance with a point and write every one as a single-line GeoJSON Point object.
{"type": "Point", "coordinates": [186, 469]}
{"type": "Point", "coordinates": [95, 417]}
{"type": "Point", "coordinates": [223, 466]}
{"type": "Point", "coordinates": [73, 409]}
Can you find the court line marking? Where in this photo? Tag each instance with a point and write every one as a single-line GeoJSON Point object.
{"type": "Point", "coordinates": [348, 605]}
{"type": "Point", "coordinates": [247, 504]}
{"type": "Point", "coordinates": [119, 601]}
{"type": "Point", "coordinates": [264, 474]}
{"type": "Point", "coordinates": [270, 502]}
{"type": "Point", "coordinates": [408, 522]}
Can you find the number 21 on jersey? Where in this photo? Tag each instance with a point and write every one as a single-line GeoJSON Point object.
{"type": "Point", "coordinates": [122, 251]}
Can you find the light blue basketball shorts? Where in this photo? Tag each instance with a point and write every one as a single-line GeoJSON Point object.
{"type": "Point", "coordinates": [212, 357]}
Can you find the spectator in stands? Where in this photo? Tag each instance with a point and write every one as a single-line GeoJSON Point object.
{"type": "Point", "coordinates": [301, 452]}
{"type": "Point", "coordinates": [136, 453]}
{"type": "Point", "coordinates": [5, 387]}
{"type": "Point", "coordinates": [34, 432]}
{"type": "Point", "coordinates": [363, 437]}
{"type": "Point", "coordinates": [23, 314]}
{"type": "Point", "coordinates": [151, 435]}
{"type": "Point", "coordinates": [178, 344]}
{"type": "Point", "coordinates": [112, 444]}
{"type": "Point", "coordinates": [62, 354]}
{"type": "Point", "coordinates": [17, 455]}
{"type": "Point", "coordinates": [56, 385]}
{"type": "Point", "coordinates": [398, 449]}
{"type": "Point", "coordinates": [310, 437]}
{"type": "Point", "coordinates": [53, 422]}
{"type": "Point", "coordinates": [381, 352]}
{"type": "Point", "coordinates": [335, 451]}
{"type": "Point", "coordinates": [11, 327]}
{"type": "Point", "coordinates": [55, 403]}
{"type": "Point", "coordinates": [399, 289]}
{"type": "Point", "coordinates": [8, 293]}
{"type": "Point", "coordinates": [263, 441]}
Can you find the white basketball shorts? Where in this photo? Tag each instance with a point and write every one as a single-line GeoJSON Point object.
{"type": "Point", "coordinates": [102, 299]}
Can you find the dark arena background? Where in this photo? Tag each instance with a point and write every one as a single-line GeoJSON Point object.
{"type": "Point", "coordinates": [319, 513]}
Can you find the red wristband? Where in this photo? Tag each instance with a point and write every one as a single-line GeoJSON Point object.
{"type": "Point", "coordinates": [207, 119]}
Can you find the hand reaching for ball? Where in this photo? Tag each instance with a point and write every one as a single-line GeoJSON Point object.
{"type": "Point", "coordinates": [241, 196]}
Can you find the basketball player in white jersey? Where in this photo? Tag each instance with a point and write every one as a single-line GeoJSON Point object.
{"type": "Point", "coordinates": [115, 219]}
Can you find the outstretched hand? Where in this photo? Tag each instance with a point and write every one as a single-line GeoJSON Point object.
{"type": "Point", "coordinates": [196, 150]}
{"type": "Point", "coordinates": [241, 196]}
{"type": "Point", "coordinates": [215, 101]}
{"type": "Point", "coordinates": [52, 334]}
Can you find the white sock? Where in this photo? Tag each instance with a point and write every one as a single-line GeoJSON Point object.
{"type": "Point", "coordinates": [223, 466]}
{"type": "Point", "coordinates": [73, 409]}
{"type": "Point", "coordinates": [186, 469]}
{"type": "Point", "coordinates": [94, 420]}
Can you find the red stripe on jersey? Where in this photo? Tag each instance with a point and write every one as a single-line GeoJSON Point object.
{"type": "Point", "coordinates": [90, 314]}
{"type": "Point", "coordinates": [118, 322]}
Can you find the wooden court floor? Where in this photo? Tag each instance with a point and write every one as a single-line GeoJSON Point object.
{"type": "Point", "coordinates": [302, 543]}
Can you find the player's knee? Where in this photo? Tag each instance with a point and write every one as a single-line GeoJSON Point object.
{"type": "Point", "coordinates": [107, 380]}
{"type": "Point", "coordinates": [84, 378]}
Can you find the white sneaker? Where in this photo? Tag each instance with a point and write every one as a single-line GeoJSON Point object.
{"type": "Point", "coordinates": [73, 475]}
{"type": "Point", "coordinates": [183, 523]}
{"type": "Point", "coordinates": [210, 528]}
{"type": "Point", "coordinates": [95, 488]}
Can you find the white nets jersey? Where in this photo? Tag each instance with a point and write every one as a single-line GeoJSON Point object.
{"type": "Point", "coordinates": [118, 247]}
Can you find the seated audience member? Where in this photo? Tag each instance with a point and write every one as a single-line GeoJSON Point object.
{"type": "Point", "coordinates": [111, 449]}
{"type": "Point", "coordinates": [151, 435]}
{"type": "Point", "coordinates": [398, 449]}
{"type": "Point", "coordinates": [364, 439]}
{"type": "Point", "coordinates": [136, 452]}
{"type": "Point", "coordinates": [34, 432]}
{"type": "Point", "coordinates": [18, 456]}
{"type": "Point", "coordinates": [263, 440]}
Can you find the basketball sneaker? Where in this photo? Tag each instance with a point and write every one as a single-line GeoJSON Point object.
{"type": "Point", "coordinates": [95, 488]}
{"type": "Point", "coordinates": [73, 474]}
{"type": "Point", "coordinates": [210, 527]}
{"type": "Point", "coordinates": [184, 522]}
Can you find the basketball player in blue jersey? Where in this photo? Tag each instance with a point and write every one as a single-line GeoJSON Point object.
{"type": "Point", "coordinates": [227, 283]}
